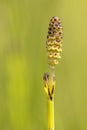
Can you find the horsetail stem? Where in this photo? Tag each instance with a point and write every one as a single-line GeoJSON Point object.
{"type": "Point", "coordinates": [54, 49]}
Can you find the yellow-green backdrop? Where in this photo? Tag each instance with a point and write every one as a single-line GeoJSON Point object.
{"type": "Point", "coordinates": [23, 30]}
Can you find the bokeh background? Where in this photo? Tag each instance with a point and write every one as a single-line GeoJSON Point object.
{"type": "Point", "coordinates": [23, 30]}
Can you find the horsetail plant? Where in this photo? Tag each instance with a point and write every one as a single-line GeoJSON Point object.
{"type": "Point", "coordinates": [54, 49]}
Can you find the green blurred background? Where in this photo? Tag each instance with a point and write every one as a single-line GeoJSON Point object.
{"type": "Point", "coordinates": [23, 31]}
